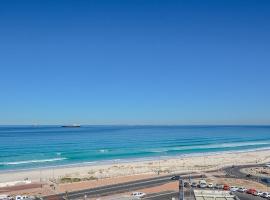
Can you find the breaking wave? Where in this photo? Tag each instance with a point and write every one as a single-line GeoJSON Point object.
{"type": "Point", "coordinates": [32, 161]}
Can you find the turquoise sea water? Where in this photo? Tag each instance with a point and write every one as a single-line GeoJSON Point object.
{"type": "Point", "coordinates": [23, 147]}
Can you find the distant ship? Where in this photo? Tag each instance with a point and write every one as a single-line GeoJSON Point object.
{"type": "Point", "coordinates": [71, 126]}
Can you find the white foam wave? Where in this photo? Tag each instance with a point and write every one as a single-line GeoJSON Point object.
{"type": "Point", "coordinates": [158, 150]}
{"type": "Point", "coordinates": [31, 161]}
{"type": "Point", "coordinates": [227, 145]}
{"type": "Point", "coordinates": [211, 146]}
{"type": "Point", "coordinates": [103, 150]}
{"type": "Point", "coordinates": [154, 158]}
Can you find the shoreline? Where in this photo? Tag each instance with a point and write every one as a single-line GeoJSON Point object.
{"type": "Point", "coordinates": [164, 165]}
{"type": "Point", "coordinates": [130, 160]}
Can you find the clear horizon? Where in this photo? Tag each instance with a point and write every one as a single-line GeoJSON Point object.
{"type": "Point", "coordinates": [135, 62]}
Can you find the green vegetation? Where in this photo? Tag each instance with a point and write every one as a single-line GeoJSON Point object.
{"type": "Point", "coordinates": [72, 180]}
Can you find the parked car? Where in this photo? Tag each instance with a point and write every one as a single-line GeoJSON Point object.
{"type": "Point", "coordinates": [242, 189]}
{"type": "Point", "coordinates": [226, 187]}
{"type": "Point", "coordinates": [265, 195]}
{"type": "Point", "coordinates": [219, 186]}
{"type": "Point", "coordinates": [138, 194]}
{"type": "Point", "coordinates": [19, 197]}
{"type": "Point", "coordinates": [266, 180]}
{"type": "Point", "coordinates": [194, 184]}
{"type": "Point", "coordinates": [267, 165]}
{"type": "Point", "coordinates": [258, 193]}
{"type": "Point", "coordinates": [251, 191]}
{"type": "Point", "coordinates": [210, 185]}
{"type": "Point", "coordinates": [202, 181]}
{"type": "Point", "coordinates": [233, 188]}
{"type": "Point", "coordinates": [186, 184]}
{"type": "Point", "coordinates": [202, 184]}
{"type": "Point", "coordinates": [175, 178]}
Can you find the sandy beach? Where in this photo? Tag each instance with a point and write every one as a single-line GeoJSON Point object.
{"type": "Point", "coordinates": [72, 178]}
{"type": "Point", "coordinates": [154, 167]}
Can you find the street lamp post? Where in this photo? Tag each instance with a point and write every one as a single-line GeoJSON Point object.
{"type": "Point", "coordinates": [181, 189]}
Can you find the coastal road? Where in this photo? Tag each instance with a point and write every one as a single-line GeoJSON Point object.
{"type": "Point", "coordinates": [117, 188]}
{"type": "Point", "coordinates": [235, 172]}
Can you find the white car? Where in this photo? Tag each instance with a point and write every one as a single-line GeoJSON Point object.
{"type": "Point", "coordinates": [202, 184]}
{"type": "Point", "coordinates": [233, 188]}
{"type": "Point", "coordinates": [267, 165]}
{"type": "Point", "coordinates": [258, 194]}
{"type": "Point", "coordinates": [138, 194]}
{"type": "Point", "coordinates": [242, 189]}
{"type": "Point", "coordinates": [18, 197]}
{"type": "Point", "coordinates": [194, 184]}
{"type": "Point", "coordinates": [210, 185]}
{"type": "Point", "coordinates": [265, 194]}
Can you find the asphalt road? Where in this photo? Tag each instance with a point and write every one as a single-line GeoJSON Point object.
{"type": "Point", "coordinates": [245, 196]}
{"type": "Point", "coordinates": [146, 183]}
{"type": "Point", "coordinates": [235, 172]}
{"type": "Point", "coordinates": [117, 188]}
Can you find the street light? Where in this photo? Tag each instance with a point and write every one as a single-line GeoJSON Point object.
{"type": "Point", "coordinates": [181, 189]}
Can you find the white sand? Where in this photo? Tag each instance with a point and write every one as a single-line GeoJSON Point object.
{"type": "Point", "coordinates": [164, 165]}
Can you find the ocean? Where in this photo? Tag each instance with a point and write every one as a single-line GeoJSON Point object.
{"type": "Point", "coordinates": [25, 147]}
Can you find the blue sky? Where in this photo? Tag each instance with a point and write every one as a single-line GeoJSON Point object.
{"type": "Point", "coordinates": [134, 62]}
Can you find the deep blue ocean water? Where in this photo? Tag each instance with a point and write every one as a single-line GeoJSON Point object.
{"type": "Point", "coordinates": [23, 147]}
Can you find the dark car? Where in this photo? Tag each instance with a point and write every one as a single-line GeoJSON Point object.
{"type": "Point", "coordinates": [248, 175]}
{"type": "Point", "coordinates": [219, 186]}
{"type": "Point", "coordinates": [186, 184]}
{"type": "Point", "coordinates": [266, 180]}
{"type": "Point", "coordinates": [175, 178]}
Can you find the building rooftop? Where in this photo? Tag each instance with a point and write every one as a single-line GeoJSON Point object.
{"type": "Point", "coordinates": [213, 195]}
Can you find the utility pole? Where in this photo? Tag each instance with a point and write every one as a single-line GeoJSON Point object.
{"type": "Point", "coordinates": [181, 189]}
{"type": "Point", "coordinates": [159, 163]}
{"type": "Point", "coordinates": [66, 195]}
{"type": "Point", "coordinates": [40, 175]}
{"type": "Point", "coordinates": [189, 185]}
